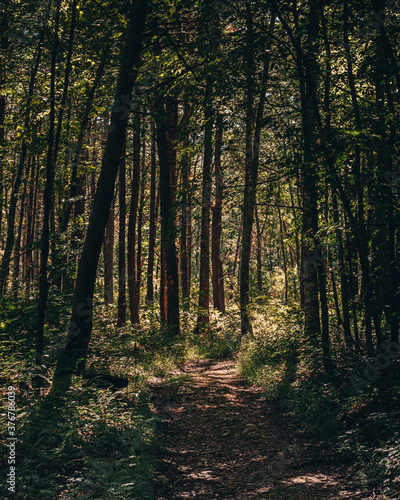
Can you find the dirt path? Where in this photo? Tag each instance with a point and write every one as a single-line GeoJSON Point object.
{"type": "Point", "coordinates": [221, 440]}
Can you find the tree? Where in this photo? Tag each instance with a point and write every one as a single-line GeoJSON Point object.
{"type": "Point", "coordinates": [132, 261]}
{"type": "Point", "coordinates": [167, 197]}
{"type": "Point", "coordinates": [216, 231]}
{"type": "Point", "coordinates": [74, 354]}
{"type": "Point", "coordinates": [204, 288]}
{"type": "Point", "coordinates": [253, 122]}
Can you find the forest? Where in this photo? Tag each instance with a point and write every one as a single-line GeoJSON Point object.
{"type": "Point", "coordinates": [199, 249]}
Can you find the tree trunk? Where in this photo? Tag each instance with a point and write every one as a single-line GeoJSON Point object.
{"type": "Point", "coordinates": [253, 126]}
{"type": "Point", "coordinates": [74, 355]}
{"type": "Point", "coordinates": [4, 27]}
{"type": "Point", "coordinates": [216, 228]}
{"type": "Point", "coordinates": [108, 248]}
{"type": "Point", "coordinates": [5, 263]}
{"type": "Point", "coordinates": [132, 263]}
{"type": "Point", "coordinates": [165, 138]}
{"type": "Point", "coordinates": [343, 275]}
{"type": "Point", "coordinates": [17, 247]}
{"type": "Point", "coordinates": [184, 250]}
{"type": "Point", "coordinates": [74, 182]}
{"type": "Point", "coordinates": [30, 227]}
{"type": "Point", "coordinates": [204, 290]}
{"type": "Point", "coordinates": [308, 74]}
{"type": "Point", "coordinates": [47, 200]}
{"type": "Point", "coordinates": [163, 281]}
{"type": "Point", "coordinates": [281, 229]}
{"type": "Point", "coordinates": [140, 218]}
{"type": "Point", "coordinates": [121, 241]}
{"type": "Point", "coordinates": [259, 255]}
{"type": "Point", "coordinates": [152, 218]}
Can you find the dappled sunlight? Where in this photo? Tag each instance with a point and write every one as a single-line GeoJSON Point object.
{"type": "Point", "coordinates": [223, 440]}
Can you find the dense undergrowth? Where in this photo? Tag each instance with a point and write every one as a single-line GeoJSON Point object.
{"type": "Point", "coordinates": [360, 423]}
{"type": "Point", "coordinates": [100, 441]}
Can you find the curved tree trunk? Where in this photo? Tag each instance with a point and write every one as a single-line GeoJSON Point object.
{"type": "Point", "coordinates": [73, 357]}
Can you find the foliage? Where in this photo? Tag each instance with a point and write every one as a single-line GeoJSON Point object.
{"type": "Point", "coordinates": [327, 407]}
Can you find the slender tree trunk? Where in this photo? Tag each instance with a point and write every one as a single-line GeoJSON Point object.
{"type": "Point", "coordinates": [77, 234]}
{"type": "Point", "coordinates": [4, 268]}
{"type": "Point", "coordinates": [108, 248]}
{"type": "Point", "coordinates": [185, 171]}
{"type": "Point", "coordinates": [259, 250]}
{"type": "Point", "coordinates": [121, 241]}
{"type": "Point", "coordinates": [140, 218]}
{"type": "Point", "coordinates": [163, 282]}
{"type": "Point", "coordinates": [74, 182]}
{"type": "Point", "coordinates": [56, 260]}
{"type": "Point", "coordinates": [334, 292]}
{"type": "Point", "coordinates": [17, 247]}
{"type": "Point", "coordinates": [283, 255]}
{"type": "Point", "coordinates": [74, 355]}
{"type": "Point", "coordinates": [343, 277]}
{"type": "Point", "coordinates": [165, 138]}
{"type": "Point", "coordinates": [4, 27]}
{"type": "Point", "coordinates": [30, 226]}
{"type": "Point", "coordinates": [132, 262]}
{"type": "Point", "coordinates": [47, 199]}
{"type": "Point", "coordinates": [204, 290]}
{"type": "Point", "coordinates": [189, 246]}
{"type": "Point", "coordinates": [216, 230]}
{"type": "Point", "coordinates": [237, 251]}
{"type": "Point", "coordinates": [325, 340]}
{"type": "Point", "coordinates": [152, 218]}
{"type": "Point", "coordinates": [253, 126]}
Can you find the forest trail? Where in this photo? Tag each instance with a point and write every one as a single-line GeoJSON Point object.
{"type": "Point", "coordinates": [220, 439]}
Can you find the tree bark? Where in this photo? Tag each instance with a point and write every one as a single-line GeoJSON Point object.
{"type": "Point", "coordinates": [74, 355]}
{"type": "Point", "coordinates": [307, 75]}
{"type": "Point", "coordinates": [140, 217]}
{"type": "Point", "coordinates": [121, 241]}
{"type": "Point", "coordinates": [5, 262]}
{"type": "Point", "coordinates": [253, 134]}
{"type": "Point", "coordinates": [152, 218]}
{"type": "Point", "coordinates": [108, 248]}
{"type": "Point", "coordinates": [47, 199]}
{"type": "Point", "coordinates": [185, 190]}
{"type": "Point", "coordinates": [259, 254]}
{"type": "Point", "coordinates": [204, 290]}
{"type": "Point", "coordinates": [30, 227]}
{"type": "Point", "coordinates": [281, 229]}
{"type": "Point", "coordinates": [132, 262]}
{"type": "Point", "coordinates": [216, 228]}
{"type": "Point", "coordinates": [17, 247]}
{"type": "Point", "coordinates": [166, 136]}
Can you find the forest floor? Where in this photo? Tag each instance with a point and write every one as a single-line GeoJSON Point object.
{"type": "Point", "coordinates": [221, 439]}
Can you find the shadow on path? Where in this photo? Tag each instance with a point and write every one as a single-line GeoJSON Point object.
{"type": "Point", "coordinates": [220, 439]}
